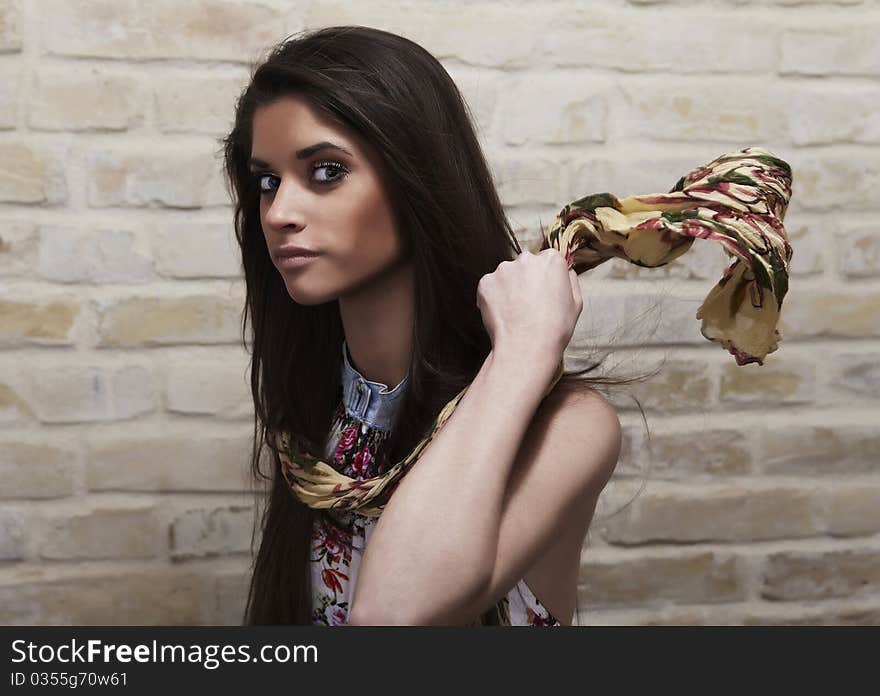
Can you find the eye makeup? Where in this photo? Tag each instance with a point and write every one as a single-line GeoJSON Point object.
{"type": "Point", "coordinates": [257, 177]}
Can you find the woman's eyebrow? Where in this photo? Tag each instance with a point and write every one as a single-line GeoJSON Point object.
{"type": "Point", "coordinates": [305, 152]}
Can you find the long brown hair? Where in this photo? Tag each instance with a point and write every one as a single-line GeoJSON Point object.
{"type": "Point", "coordinates": [397, 96]}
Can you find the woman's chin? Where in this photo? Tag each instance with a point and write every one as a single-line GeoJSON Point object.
{"type": "Point", "coordinates": [304, 297]}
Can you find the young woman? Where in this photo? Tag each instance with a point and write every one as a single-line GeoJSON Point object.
{"type": "Point", "coordinates": [353, 146]}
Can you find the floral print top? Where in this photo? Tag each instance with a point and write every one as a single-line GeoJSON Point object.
{"type": "Point", "coordinates": [360, 427]}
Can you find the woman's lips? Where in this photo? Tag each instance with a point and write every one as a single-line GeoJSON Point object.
{"type": "Point", "coordinates": [295, 260]}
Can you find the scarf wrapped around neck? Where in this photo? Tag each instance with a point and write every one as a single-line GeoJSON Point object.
{"type": "Point", "coordinates": [738, 199]}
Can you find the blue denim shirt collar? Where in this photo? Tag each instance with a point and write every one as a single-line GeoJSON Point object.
{"type": "Point", "coordinates": [371, 402]}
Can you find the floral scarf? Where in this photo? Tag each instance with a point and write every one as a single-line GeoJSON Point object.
{"type": "Point", "coordinates": [738, 199]}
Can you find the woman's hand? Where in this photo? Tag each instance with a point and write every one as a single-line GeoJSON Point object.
{"type": "Point", "coordinates": [531, 304]}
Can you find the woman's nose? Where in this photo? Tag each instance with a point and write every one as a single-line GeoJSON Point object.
{"type": "Point", "coordinates": [286, 207]}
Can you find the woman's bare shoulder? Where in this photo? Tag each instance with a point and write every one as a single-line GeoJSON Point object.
{"type": "Point", "coordinates": [582, 420]}
{"type": "Point", "coordinates": [577, 401]}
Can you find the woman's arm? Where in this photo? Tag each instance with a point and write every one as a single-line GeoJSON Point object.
{"type": "Point", "coordinates": [432, 552]}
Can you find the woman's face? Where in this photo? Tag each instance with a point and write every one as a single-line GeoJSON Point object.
{"type": "Point", "coordinates": [327, 200]}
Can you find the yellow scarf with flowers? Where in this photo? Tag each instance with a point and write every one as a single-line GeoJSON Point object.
{"type": "Point", "coordinates": [738, 200]}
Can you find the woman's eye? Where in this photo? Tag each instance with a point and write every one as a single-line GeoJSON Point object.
{"type": "Point", "coordinates": [332, 166]}
{"type": "Point", "coordinates": [334, 173]}
{"type": "Point", "coordinates": [260, 178]}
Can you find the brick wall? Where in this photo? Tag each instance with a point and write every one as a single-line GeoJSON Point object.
{"type": "Point", "coordinates": [124, 400]}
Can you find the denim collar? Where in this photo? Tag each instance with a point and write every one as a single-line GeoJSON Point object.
{"type": "Point", "coordinates": [371, 402]}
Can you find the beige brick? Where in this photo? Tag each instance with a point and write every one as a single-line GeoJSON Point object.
{"type": "Point", "coordinates": [231, 591]}
{"type": "Point", "coordinates": [595, 37]}
{"type": "Point", "coordinates": [680, 388]}
{"type": "Point", "coordinates": [859, 251]}
{"type": "Point", "coordinates": [13, 405]}
{"type": "Point", "coordinates": [617, 495]}
{"type": "Point", "coordinates": [837, 48]}
{"type": "Point", "coordinates": [853, 616]}
{"type": "Point", "coordinates": [855, 374]}
{"type": "Point", "coordinates": [629, 171]}
{"type": "Point", "coordinates": [697, 455]}
{"type": "Point", "coordinates": [671, 616]}
{"type": "Point", "coordinates": [834, 612]}
{"type": "Point", "coordinates": [209, 30]}
{"type": "Point", "coordinates": [480, 94]}
{"type": "Point", "coordinates": [169, 176]}
{"type": "Point", "coordinates": [10, 80]}
{"type": "Point", "coordinates": [549, 108]}
{"type": "Point", "coordinates": [66, 393]}
{"type": "Point", "coordinates": [823, 113]}
{"type": "Point", "coordinates": [85, 99]}
{"type": "Point", "coordinates": [810, 313]}
{"type": "Point", "coordinates": [732, 513]}
{"type": "Point", "coordinates": [649, 579]}
{"type": "Point", "coordinates": [43, 322]}
{"type": "Point", "coordinates": [12, 535]}
{"type": "Point", "coordinates": [866, 615]}
{"type": "Point", "coordinates": [734, 111]}
{"type": "Point", "coordinates": [10, 26]}
{"type": "Point", "coordinates": [36, 470]}
{"type": "Point", "coordinates": [197, 103]}
{"type": "Point", "coordinates": [130, 597]}
{"type": "Point", "coordinates": [832, 450]}
{"type": "Point", "coordinates": [855, 510]}
{"type": "Point", "coordinates": [812, 575]}
{"type": "Point", "coordinates": [118, 460]}
{"type": "Point", "coordinates": [212, 531]}
{"type": "Point", "coordinates": [630, 462]}
{"type": "Point", "coordinates": [834, 178]}
{"type": "Point", "coordinates": [18, 248]}
{"type": "Point", "coordinates": [444, 29]}
{"type": "Point", "coordinates": [196, 250]}
{"type": "Point", "coordinates": [808, 235]}
{"type": "Point", "coordinates": [617, 315]}
{"type": "Point", "coordinates": [133, 391]}
{"type": "Point", "coordinates": [525, 180]}
{"type": "Point", "coordinates": [680, 617]}
{"type": "Point", "coordinates": [152, 321]}
{"type": "Point", "coordinates": [217, 386]}
{"type": "Point", "coordinates": [779, 381]}
{"type": "Point", "coordinates": [32, 174]}
{"type": "Point", "coordinates": [811, 2]}
{"type": "Point", "coordinates": [72, 255]}
{"type": "Point", "coordinates": [103, 532]}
